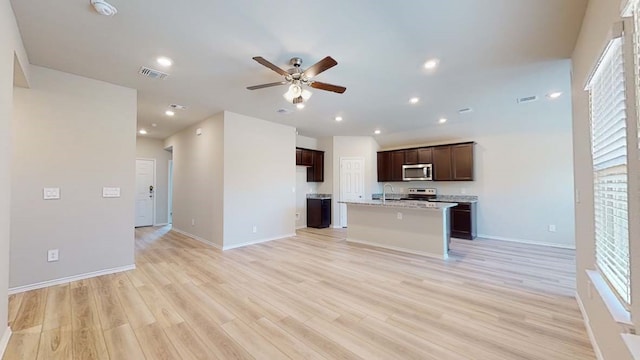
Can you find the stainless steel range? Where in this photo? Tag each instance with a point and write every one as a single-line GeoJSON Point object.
{"type": "Point", "coordinates": [420, 194]}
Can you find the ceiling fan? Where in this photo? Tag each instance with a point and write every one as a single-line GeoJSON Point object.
{"type": "Point", "coordinates": [296, 77]}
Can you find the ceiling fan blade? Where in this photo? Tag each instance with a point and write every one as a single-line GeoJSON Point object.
{"type": "Point", "coordinates": [256, 87]}
{"type": "Point", "coordinates": [328, 87]}
{"type": "Point", "coordinates": [320, 66]}
{"type": "Point", "coordinates": [268, 64]}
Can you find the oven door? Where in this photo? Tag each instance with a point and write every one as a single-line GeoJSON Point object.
{"type": "Point", "coordinates": [416, 172]}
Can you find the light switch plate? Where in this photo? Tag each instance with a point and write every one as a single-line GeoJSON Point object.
{"type": "Point", "coordinates": [110, 192]}
{"type": "Point", "coordinates": [51, 193]}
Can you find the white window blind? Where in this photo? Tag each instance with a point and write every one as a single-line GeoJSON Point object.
{"type": "Point", "coordinates": [609, 150]}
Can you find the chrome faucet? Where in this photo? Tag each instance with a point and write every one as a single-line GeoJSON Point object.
{"type": "Point", "coordinates": [384, 192]}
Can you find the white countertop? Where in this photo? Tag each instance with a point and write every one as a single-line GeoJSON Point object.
{"type": "Point", "coordinates": [404, 204]}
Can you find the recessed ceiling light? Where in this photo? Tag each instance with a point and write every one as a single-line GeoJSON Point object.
{"type": "Point", "coordinates": [377, 132]}
{"type": "Point", "coordinates": [338, 118]}
{"type": "Point", "coordinates": [154, 124]}
{"type": "Point", "coordinates": [142, 132]}
{"type": "Point", "coordinates": [300, 106]}
{"type": "Point", "coordinates": [442, 120]}
{"type": "Point", "coordinates": [164, 61]}
{"type": "Point", "coordinates": [169, 113]}
{"type": "Point", "coordinates": [554, 95]}
{"type": "Point", "coordinates": [431, 64]}
{"type": "Point", "coordinates": [414, 100]}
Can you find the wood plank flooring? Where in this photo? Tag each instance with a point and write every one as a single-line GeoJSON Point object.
{"type": "Point", "coordinates": [312, 296]}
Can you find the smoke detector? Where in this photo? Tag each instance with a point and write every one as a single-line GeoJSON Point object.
{"type": "Point", "coordinates": [104, 8]}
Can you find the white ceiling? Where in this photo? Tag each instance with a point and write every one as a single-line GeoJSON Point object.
{"type": "Point", "coordinates": [490, 51]}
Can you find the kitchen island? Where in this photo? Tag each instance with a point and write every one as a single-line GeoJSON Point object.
{"type": "Point", "coordinates": [418, 227]}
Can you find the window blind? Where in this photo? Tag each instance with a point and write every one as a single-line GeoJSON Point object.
{"type": "Point", "coordinates": [609, 151]}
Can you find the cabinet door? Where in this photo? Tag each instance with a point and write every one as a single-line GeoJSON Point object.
{"type": "Point", "coordinates": [318, 166]}
{"type": "Point", "coordinates": [384, 166]}
{"type": "Point", "coordinates": [306, 157]}
{"type": "Point", "coordinates": [411, 157]}
{"type": "Point", "coordinates": [314, 212]}
{"type": "Point", "coordinates": [442, 163]}
{"type": "Point", "coordinates": [425, 156]}
{"type": "Point", "coordinates": [460, 222]}
{"type": "Point", "coordinates": [298, 156]}
{"type": "Point", "coordinates": [397, 160]}
{"type": "Point", "coordinates": [462, 161]}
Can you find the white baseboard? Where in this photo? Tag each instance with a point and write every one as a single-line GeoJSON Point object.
{"type": "Point", "coordinates": [337, 227]}
{"type": "Point", "coordinates": [4, 341]}
{"type": "Point", "coordinates": [415, 252]}
{"type": "Point", "coordinates": [301, 227]}
{"type": "Point", "coordinates": [587, 324]}
{"type": "Point", "coordinates": [525, 241]}
{"type": "Point", "coordinates": [64, 280]}
{"type": "Point", "coordinates": [253, 242]}
{"type": "Point", "coordinates": [195, 237]}
{"type": "Point", "coordinates": [161, 224]}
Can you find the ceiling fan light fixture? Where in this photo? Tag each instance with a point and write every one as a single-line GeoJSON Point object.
{"type": "Point", "coordinates": [104, 8]}
{"type": "Point", "coordinates": [296, 94]}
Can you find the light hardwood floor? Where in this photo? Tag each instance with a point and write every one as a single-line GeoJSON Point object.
{"type": "Point", "coordinates": [312, 296]}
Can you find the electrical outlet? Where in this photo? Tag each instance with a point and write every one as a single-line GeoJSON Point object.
{"type": "Point", "coordinates": [399, 216]}
{"type": "Point", "coordinates": [297, 216]}
{"type": "Point", "coordinates": [193, 222]}
{"type": "Point", "coordinates": [552, 228]}
{"type": "Point", "coordinates": [255, 229]}
{"type": "Point", "coordinates": [52, 255]}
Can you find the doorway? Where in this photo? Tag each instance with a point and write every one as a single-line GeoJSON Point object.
{"type": "Point", "coordinates": [351, 183]}
{"type": "Point", "coordinates": [145, 192]}
{"type": "Point", "coordinates": [170, 194]}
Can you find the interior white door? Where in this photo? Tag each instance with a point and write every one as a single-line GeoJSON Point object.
{"type": "Point", "coordinates": [170, 194]}
{"type": "Point", "coordinates": [145, 190]}
{"type": "Point", "coordinates": [351, 184]}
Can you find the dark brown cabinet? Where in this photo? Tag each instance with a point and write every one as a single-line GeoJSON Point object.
{"type": "Point", "coordinates": [304, 157]}
{"type": "Point", "coordinates": [411, 157]}
{"type": "Point", "coordinates": [425, 155]}
{"type": "Point", "coordinates": [397, 160]}
{"type": "Point", "coordinates": [314, 161]}
{"type": "Point", "coordinates": [384, 166]}
{"type": "Point", "coordinates": [463, 221]}
{"type": "Point", "coordinates": [462, 162]}
{"type": "Point", "coordinates": [318, 213]}
{"type": "Point", "coordinates": [442, 163]}
{"type": "Point", "coordinates": [315, 173]}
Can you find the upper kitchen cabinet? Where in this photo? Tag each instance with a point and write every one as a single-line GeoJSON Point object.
{"type": "Point", "coordinates": [304, 157]}
{"type": "Point", "coordinates": [462, 162]}
{"type": "Point", "coordinates": [397, 160]}
{"type": "Point", "coordinates": [411, 157]}
{"type": "Point", "coordinates": [315, 173]}
{"type": "Point", "coordinates": [453, 162]}
{"type": "Point", "coordinates": [442, 163]}
{"type": "Point", "coordinates": [384, 166]}
{"type": "Point", "coordinates": [425, 155]}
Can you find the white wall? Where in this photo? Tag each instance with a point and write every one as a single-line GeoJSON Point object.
{"type": "Point", "coordinates": [354, 146]}
{"type": "Point", "coordinates": [600, 15]}
{"type": "Point", "coordinates": [198, 185]}
{"type": "Point", "coordinates": [77, 134]}
{"type": "Point", "coordinates": [259, 180]}
{"type": "Point", "coordinates": [148, 148]}
{"type": "Point", "coordinates": [11, 48]}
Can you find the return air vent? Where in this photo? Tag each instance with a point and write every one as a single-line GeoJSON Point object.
{"type": "Point", "coordinates": [527, 99]}
{"type": "Point", "coordinates": [465, 110]}
{"type": "Point", "coordinates": [178, 107]}
{"type": "Point", "coordinates": [151, 73]}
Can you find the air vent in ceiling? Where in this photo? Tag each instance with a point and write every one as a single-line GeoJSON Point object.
{"type": "Point", "coordinates": [465, 110]}
{"type": "Point", "coordinates": [527, 99]}
{"type": "Point", "coordinates": [154, 74]}
{"type": "Point", "coordinates": [283, 111]}
{"type": "Point", "coordinates": [178, 107]}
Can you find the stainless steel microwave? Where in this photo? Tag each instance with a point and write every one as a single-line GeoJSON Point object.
{"type": "Point", "coordinates": [417, 172]}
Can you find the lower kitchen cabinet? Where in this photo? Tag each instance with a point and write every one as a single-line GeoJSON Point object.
{"type": "Point", "coordinates": [318, 213]}
{"type": "Point", "coordinates": [463, 221]}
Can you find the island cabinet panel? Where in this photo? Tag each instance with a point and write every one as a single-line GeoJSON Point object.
{"type": "Point", "coordinates": [411, 157]}
{"type": "Point", "coordinates": [315, 173]}
{"type": "Point", "coordinates": [462, 162]}
{"type": "Point", "coordinates": [384, 166]}
{"type": "Point", "coordinates": [442, 163]}
{"type": "Point", "coordinates": [397, 160]}
{"type": "Point", "coordinates": [425, 155]}
{"type": "Point", "coordinates": [463, 221]}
